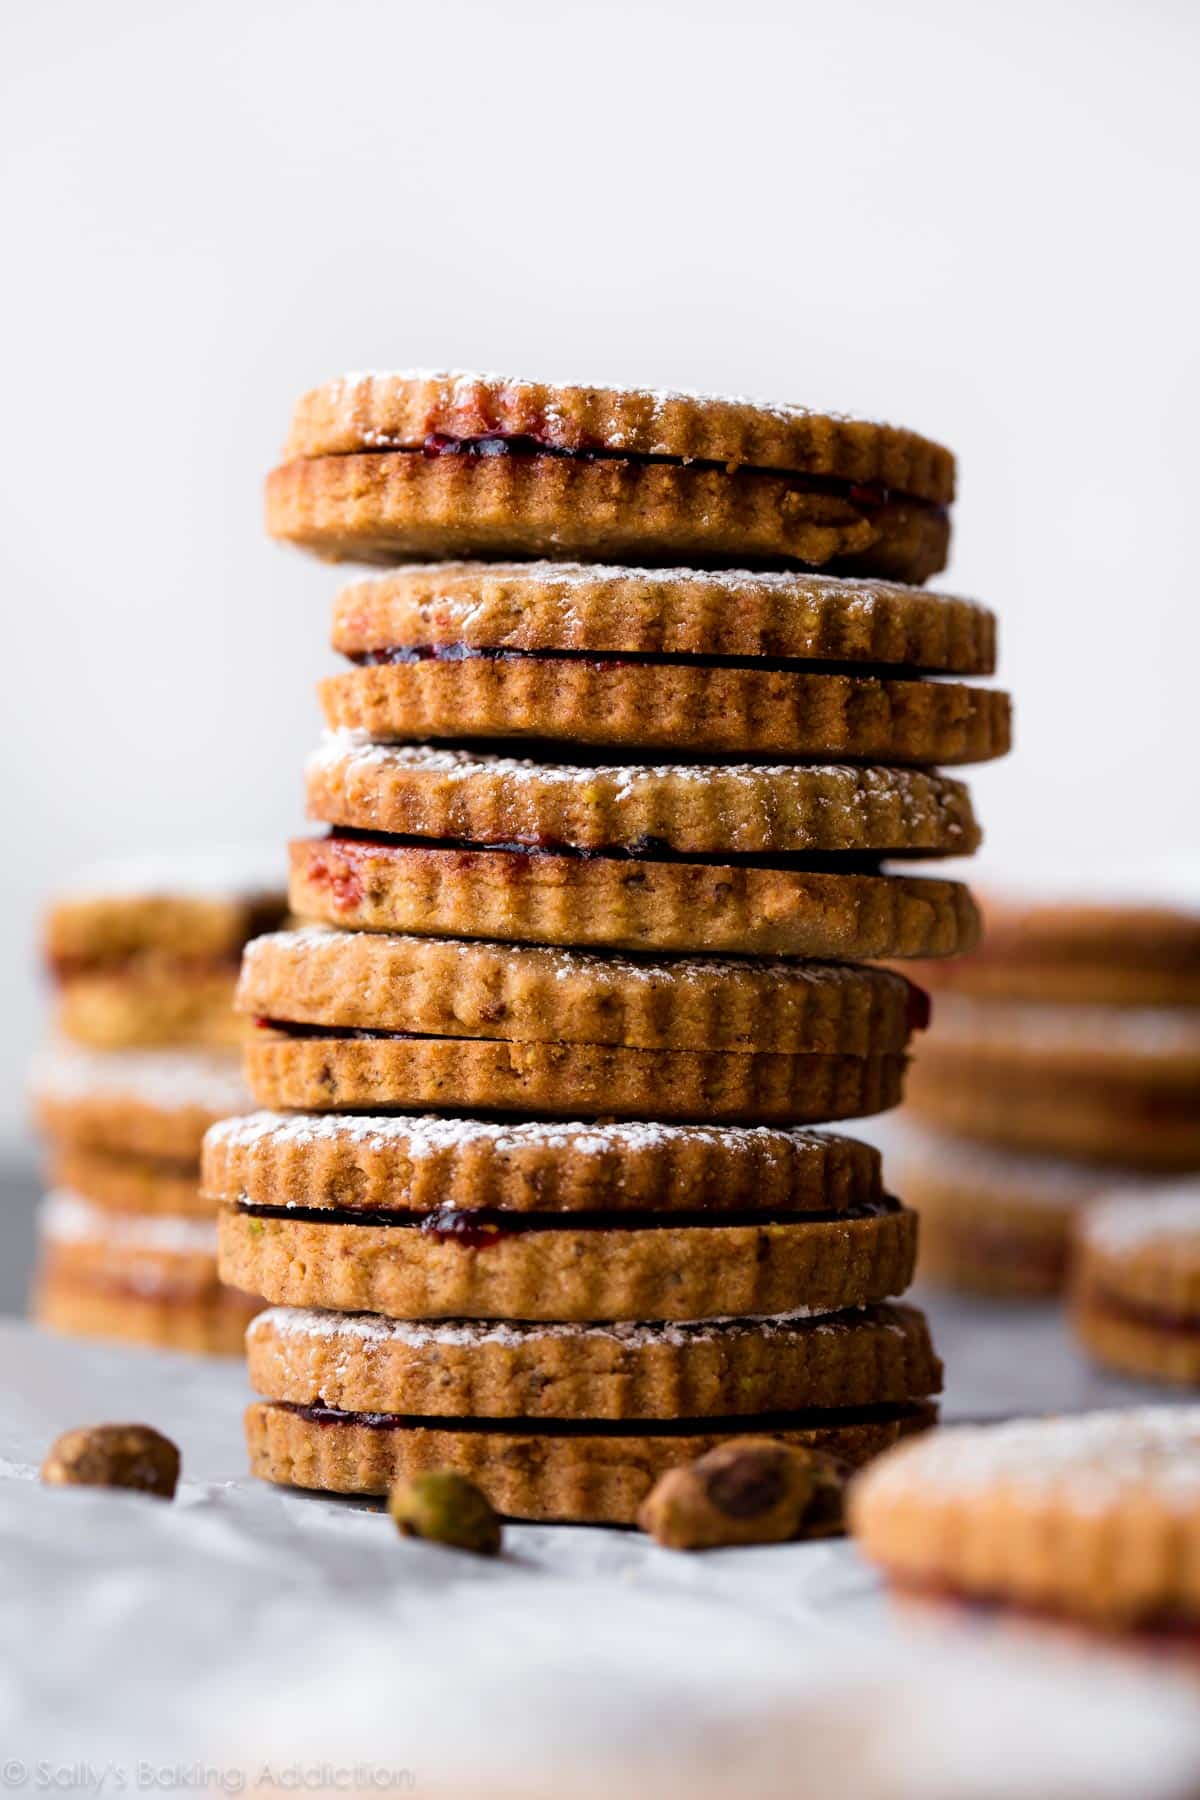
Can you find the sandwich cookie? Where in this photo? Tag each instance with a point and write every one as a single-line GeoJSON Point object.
{"type": "Point", "coordinates": [1136, 1293]}
{"type": "Point", "coordinates": [394, 468]}
{"type": "Point", "coordinates": [1095, 1517]}
{"type": "Point", "coordinates": [142, 1103]}
{"type": "Point", "coordinates": [571, 1421]}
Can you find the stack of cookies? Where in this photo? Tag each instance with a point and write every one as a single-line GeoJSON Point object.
{"type": "Point", "coordinates": [1065, 1060]}
{"type": "Point", "coordinates": [143, 957]}
{"type": "Point", "coordinates": [537, 1198]}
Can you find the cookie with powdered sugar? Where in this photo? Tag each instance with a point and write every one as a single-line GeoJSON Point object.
{"type": "Point", "coordinates": [419, 466]}
{"type": "Point", "coordinates": [147, 1279]}
{"type": "Point", "coordinates": [494, 1264]}
{"type": "Point", "coordinates": [143, 953]}
{"type": "Point", "coordinates": [1095, 1517]}
{"type": "Point", "coordinates": [373, 1162]}
{"type": "Point", "coordinates": [143, 1103]}
{"type": "Point", "coordinates": [1135, 1301]}
{"type": "Point", "coordinates": [432, 670]}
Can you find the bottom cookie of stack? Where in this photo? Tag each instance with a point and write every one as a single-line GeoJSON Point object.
{"type": "Point", "coordinates": [127, 1244]}
{"type": "Point", "coordinates": [572, 1422]}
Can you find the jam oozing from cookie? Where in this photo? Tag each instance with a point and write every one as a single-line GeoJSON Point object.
{"type": "Point", "coordinates": [481, 1228]}
{"type": "Point", "coordinates": [914, 1414]}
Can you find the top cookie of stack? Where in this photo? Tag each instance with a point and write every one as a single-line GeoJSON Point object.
{"type": "Point", "coordinates": [572, 757]}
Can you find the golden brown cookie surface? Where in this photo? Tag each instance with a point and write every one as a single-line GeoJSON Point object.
{"type": "Point", "coordinates": [534, 994]}
{"type": "Point", "coordinates": [155, 1103]}
{"type": "Point", "coordinates": [361, 1072]}
{"type": "Point", "coordinates": [211, 1324]}
{"type": "Point", "coordinates": [1095, 1516]}
{"type": "Point", "coordinates": [1136, 1286]}
{"type": "Point", "coordinates": [746, 808]}
{"type": "Point", "coordinates": [362, 1363]}
{"type": "Point", "coordinates": [793, 616]}
{"type": "Point", "coordinates": [372, 1163]}
{"type": "Point", "coordinates": [128, 1184]}
{"type": "Point", "coordinates": [593, 1476]}
{"type": "Point", "coordinates": [551, 1267]}
{"type": "Point", "coordinates": [627, 903]}
{"type": "Point", "coordinates": [151, 1001]}
{"type": "Point", "coordinates": [655, 705]}
{"type": "Point", "coordinates": [199, 908]}
{"type": "Point", "coordinates": [403, 410]}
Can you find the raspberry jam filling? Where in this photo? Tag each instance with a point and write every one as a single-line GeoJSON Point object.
{"type": "Point", "coordinates": [1150, 1318]}
{"type": "Point", "coordinates": [352, 844]}
{"type": "Point", "coordinates": [1161, 1630]}
{"type": "Point", "coordinates": [814, 1419]}
{"type": "Point", "coordinates": [134, 964]}
{"type": "Point", "coordinates": [869, 495]}
{"type": "Point", "coordinates": [479, 1228]}
{"type": "Point", "coordinates": [381, 655]}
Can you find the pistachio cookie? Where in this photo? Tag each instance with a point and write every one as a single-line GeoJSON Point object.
{"type": "Point", "coordinates": [584, 691]}
{"type": "Point", "coordinates": [376, 1163]}
{"type": "Point", "coordinates": [146, 1103]}
{"type": "Point", "coordinates": [144, 954]}
{"type": "Point", "coordinates": [150, 1279]}
{"type": "Point", "coordinates": [1095, 1517]}
{"type": "Point", "coordinates": [412, 466]}
{"type": "Point", "coordinates": [993, 1221]}
{"type": "Point", "coordinates": [572, 1421]}
{"type": "Point", "coordinates": [1136, 1292]}
{"type": "Point", "coordinates": [354, 1020]}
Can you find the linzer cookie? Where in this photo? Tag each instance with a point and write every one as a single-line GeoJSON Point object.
{"type": "Point", "coordinates": [735, 614]}
{"type": "Point", "coordinates": [412, 466]}
{"type": "Point", "coordinates": [496, 1265]}
{"type": "Point", "coordinates": [369, 1164]}
{"type": "Point", "coordinates": [1136, 1292]}
{"type": "Point", "coordinates": [878, 1356]}
{"type": "Point", "coordinates": [627, 902]}
{"type": "Point", "coordinates": [144, 953]}
{"type": "Point", "coordinates": [153, 1103]}
{"type": "Point", "coordinates": [406, 687]}
{"type": "Point", "coordinates": [127, 1183]}
{"type": "Point", "coordinates": [993, 1221]}
{"type": "Point", "coordinates": [352, 1020]}
{"type": "Point", "coordinates": [756, 809]}
{"type": "Point", "coordinates": [571, 1421]}
{"type": "Point", "coordinates": [1095, 1517]}
{"type": "Point", "coordinates": [149, 1279]}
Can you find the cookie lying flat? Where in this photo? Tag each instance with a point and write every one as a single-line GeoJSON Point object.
{"type": "Point", "coordinates": [1136, 1291]}
{"type": "Point", "coordinates": [710, 808]}
{"type": "Point", "coordinates": [993, 1221]}
{"type": "Point", "coordinates": [420, 1164]}
{"type": "Point", "coordinates": [128, 1184]}
{"type": "Point", "coordinates": [582, 1474]}
{"type": "Point", "coordinates": [1084, 952]}
{"type": "Point", "coordinates": [626, 903]}
{"type": "Point", "coordinates": [1003, 1037]}
{"type": "Point", "coordinates": [313, 1069]}
{"type": "Point", "coordinates": [156, 1103]}
{"type": "Point", "coordinates": [153, 1279]}
{"type": "Point", "coordinates": [409, 467]}
{"type": "Point", "coordinates": [1140, 1119]}
{"type": "Point", "coordinates": [495, 1265]}
{"type": "Point", "coordinates": [1094, 1517]}
{"type": "Point", "coordinates": [790, 616]}
{"type": "Point", "coordinates": [144, 953]}
{"type": "Point", "coordinates": [360, 1363]}
{"type": "Point", "coordinates": [428, 987]}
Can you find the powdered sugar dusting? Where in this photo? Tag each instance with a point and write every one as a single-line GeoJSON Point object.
{"type": "Point", "coordinates": [559, 963]}
{"type": "Point", "coordinates": [353, 750]}
{"type": "Point", "coordinates": [66, 1218]}
{"type": "Point", "coordinates": [1092, 1461]}
{"type": "Point", "coordinates": [429, 1135]}
{"type": "Point", "coordinates": [368, 1328]}
{"type": "Point", "coordinates": [170, 1079]}
{"type": "Point", "coordinates": [999, 1174]}
{"type": "Point", "coordinates": [1137, 1218]}
{"type": "Point", "coordinates": [849, 591]}
{"type": "Point", "coordinates": [1048, 1027]}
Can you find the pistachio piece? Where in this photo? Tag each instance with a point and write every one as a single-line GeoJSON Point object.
{"type": "Point", "coordinates": [749, 1491]}
{"type": "Point", "coordinates": [120, 1456]}
{"type": "Point", "coordinates": [446, 1509]}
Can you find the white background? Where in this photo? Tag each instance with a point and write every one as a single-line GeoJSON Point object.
{"type": "Point", "coordinates": [978, 221]}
